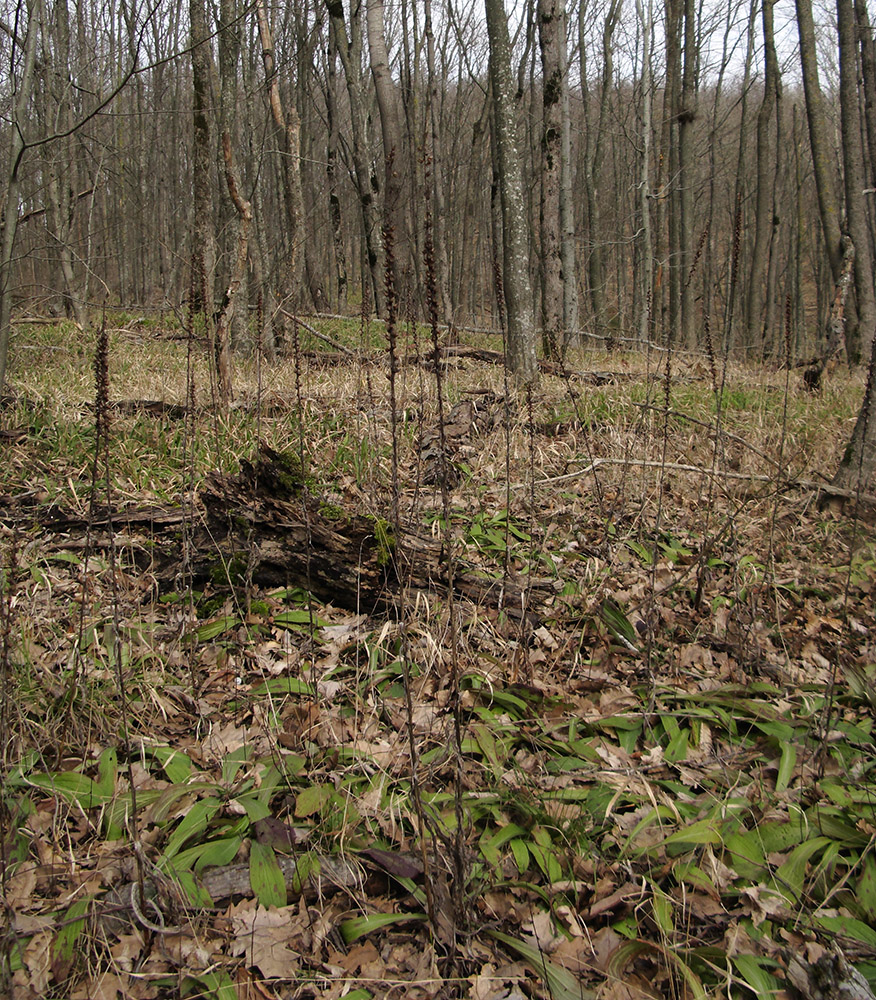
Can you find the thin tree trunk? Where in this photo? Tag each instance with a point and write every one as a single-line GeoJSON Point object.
{"type": "Point", "coordinates": [515, 271]}
{"type": "Point", "coordinates": [550, 24]}
{"type": "Point", "coordinates": [766, 185]}
{"type": "Point", "coordinates": [350, 52]}
{"type": "Point", "coordinates": [854, 176]}
{"type": "Point", "coordinates": [288, 131]}
{"type": "Point", "coordinates": [9, 208]}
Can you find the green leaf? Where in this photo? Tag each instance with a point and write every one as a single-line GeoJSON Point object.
{"type": "Point", "coordinates": [352, 930]}
{"type": "Point", "coordinates": [234, 761]}
{"type": "Point", "coordinates": [311, 801]}
{"type": "Point", "coordinates": [107, 771]}
{"type": "Point", "coordinates": [521, 855]}
{"type": "Point", "coordinates": [298, 616]}
{"type": "Point", "coordinates": [547, 862]}
{"type": "Point", "coordinates": [561, 984]}
{"type": "Point", "coordinates": [867, 888]}
{"type": "Point", "coordinates": [790, 876]}
{"type": "Point", "coordinates": [265, 876]}
{"type": "Point", "coordinates": [704, 831]}
{"type": "Point", "coordinates": [212, 630]}
{"type": "Point", "coordinates": [73, 786]}
{"type": "Point", "coordinates": [194, 822]}
{"type": "Point", "coordinates": [786, 766]}
{"type": "Point", "coordinates": [306, 866]}
{"type": "Point", "coordinates": [71, 929]}
{"type": "Point", "coordinates": [175, 764]}
{"type": "Point", "coordinates": [618, 622]}
{"type": "Point", "coordinates": [283, 685]}
{"type": "Point", "coordinates": [215, 985]}
{"type": "Point", "coordinates": [849, 927]}
{"type": "Point", "coordinates": [744, 854]}
{"type": "Point", "coordinates": [752, 972]}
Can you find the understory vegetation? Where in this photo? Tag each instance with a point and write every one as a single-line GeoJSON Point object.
{"type": "Point", "coordinates": [649, 774]}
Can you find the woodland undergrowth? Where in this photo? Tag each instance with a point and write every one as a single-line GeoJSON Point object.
{"type": "Point", "coordinates": [651, 778]}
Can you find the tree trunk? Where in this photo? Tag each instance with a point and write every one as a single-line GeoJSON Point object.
{"type": "Point", "coordinates": [287, 127]}
{"type": "Point", "coordinates": [854, 176]}
{"type": "Point", "coordinates": [349, 50]}
{"type": "Point", "coordinates": [765, 193]}
{"type": "Point", "coordinates": [819, 141]}
{"type": "Point", "coordinates": [387, 105]}
{"type": "Point", "coordinates": [857, 469]}
{"type": "Point", "coordinates": [9, 208]}
{"type": "Point", "coordinates": [515, 256]}
{"type": "Point", "coordinates": [550, 24]}
{"type": "Point", "coordinates": [203, 144]}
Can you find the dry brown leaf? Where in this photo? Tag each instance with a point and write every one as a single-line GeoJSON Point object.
{"type": "Point", "coordinates": [261, 935]}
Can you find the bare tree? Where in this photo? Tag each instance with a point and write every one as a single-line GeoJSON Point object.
{"type": "Point", "coordinates": [515, 256]}
{"type": "Point", "coordinates": [22, 84]}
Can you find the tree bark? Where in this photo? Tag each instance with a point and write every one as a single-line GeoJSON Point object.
{"type": "Point", "coordinates": [349, 49]}
{"type": "Point", "coordinates": [9, 208]}
{"type": "Point", "coordinates": [550, 25]}
{"type": "Point", "coordinates": [819, 141]}
{"type": "Point", "coordinates": [765, 194]}
{"type": "Point", "coordinates": [203, 144]}
{"type": "Point", "coordinates": [393, 159]}
{"type": "Point", "coordinates": [854, 176]}
{"type": "Point", "coordinates": [515, 256]}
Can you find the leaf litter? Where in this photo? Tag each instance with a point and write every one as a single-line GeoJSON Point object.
{"type": "Point", "coordinates": [665, 774]}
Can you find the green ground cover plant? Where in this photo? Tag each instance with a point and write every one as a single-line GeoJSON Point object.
{"type": "Point", "coordinates": [652, 776]}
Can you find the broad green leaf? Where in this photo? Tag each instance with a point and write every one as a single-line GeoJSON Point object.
{"type": "Point", "coordinates": [790, 876]}
{"type": "Point", "coordinates": [677, 749]}
{"type": "Point", "coordinates": [72, 927]}
{"type": "Point", "coordinates": [352, 930]}
{"type": "Point", "coordinates": [311, 800]}
{"type": "Point", "coordinates": [234, 761]}
{"type": "Point", "coordinates": [618, 622]}
{"type": "Point", "coordinates": [176, 765]}
{"type": "Point", "coordinates": [786, 766]}
{"type": "Point", "coordinates": [866, 893]}
{"type": "Point", "coordinates": [298, 616]}
{"type": "Point", "coordinates": [213, 985]}
{"type": "Point", "coordinates": [547, 862]}
{"type": "Point", "coordinates": [254, 804]}
{"type": "Point", "coordinates": [744, 854]}
{"type": "Point", "coordinates": [490, 845]}
{"type": "Point", "coordinates": [704, 831]}
{"type": "Point", "coordinates": [194, 822]}
{"type": "Point", "coordinates": [687, 871]}
{"type": "Point", "coordinates": [752, 972]}
{"type": "Point", "coordinates": [306, 866]}
{"type": "Point", "coordinates": [849, 927]}
{"type": "Point", "coordinates": [283, 685]}
{"type": "Point", "coordinates": [107, 771]}
{"type": "Point", "coordinates": [265, 876]}
{"type": "Point", "coordinates": [562, 985]}
{"type": "Point", "coordinates": [521, 855]}
{"type": "Point", "coordinates": [212, 630]}
{"type": "Point", "coordinates": [663, 911]}
{"type": "Point", "coordinates": [73, 786]}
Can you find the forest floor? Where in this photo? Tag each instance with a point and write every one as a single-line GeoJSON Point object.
{"type": "Point", "coordinates": [647, 775]}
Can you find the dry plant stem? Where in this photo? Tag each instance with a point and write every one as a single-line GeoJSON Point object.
{"type": "Point", "coordinates": [398, 562]}
{"type": "Point", "coordinates": [459, 866]}
{"type": "Point", "coordinates": [305, 511]}
{"type": "Point", "coordinates": [102, 457]}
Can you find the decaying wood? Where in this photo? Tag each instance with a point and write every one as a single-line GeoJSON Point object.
{"type": "Point", "coordinates": [265, 526]}
{"type": "Point", "coordinates": [831, 977]}
{"type": "Point", "coordinates": [163, 909]}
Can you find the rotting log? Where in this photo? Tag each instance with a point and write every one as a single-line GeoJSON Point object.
{"type": "Point", "coordinates": [263, 526]}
